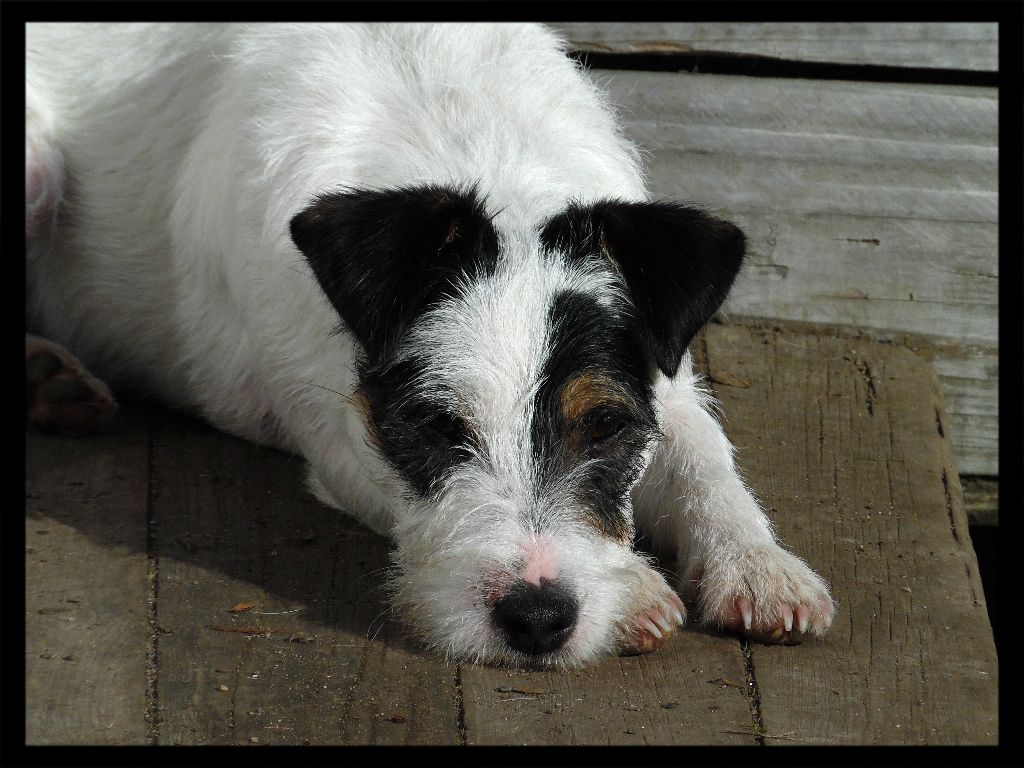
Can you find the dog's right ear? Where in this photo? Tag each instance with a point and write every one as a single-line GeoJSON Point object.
{"type": "Point", "coordinates": [383, 256]}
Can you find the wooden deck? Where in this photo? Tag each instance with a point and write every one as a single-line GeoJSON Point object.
{"type": "Point", "coordinates": [183, 588]}
{"type": "Point", "coordinates": [966, 46]}
{"type": "Point", "coordinates": [871, 205]}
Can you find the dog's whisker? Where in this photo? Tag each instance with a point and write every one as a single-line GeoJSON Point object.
{"type": "Point", "coordinates": [381, 619]}
{"type": "Point", "coordinates": [347, 398]}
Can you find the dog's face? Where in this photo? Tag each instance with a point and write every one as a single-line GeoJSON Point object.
{"type": "Point", "coordinates": [508, 384]}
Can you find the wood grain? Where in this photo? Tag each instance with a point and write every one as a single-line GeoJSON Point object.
{"type": "Point", "coordinates": [86, 591]}
{"type": "Point", "coordinates": [872, 206]}
{"type": "Point", "coordinates": [691, 691]}
{"type": "Point", "coordinates": [847, 443]}
{"type": "Point", "coordinates": [845, 440]}
{"type": "Point", "coordinates": [236, 524]}
{"type": "Point", "coordinates": [963, 46]}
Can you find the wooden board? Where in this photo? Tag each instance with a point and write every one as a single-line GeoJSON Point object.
{"type": "Point", "coordinates": [237, 527]}
{"type": "Point", "coordinates": [964, 46]}
{"type": "Point", "coordinates": [969, 378]}
{"type": "Point", "coordinates": [981, 501]}
{"type": "Point", "coordinates": [848, 444]}
{"type": "Point", "coordinates": [692, 691]}
{"type": "Point", "coordinates": [872, 206]}
{"type": "Point", "coordinates": [87, 589]}
{"type": "Point", "coordinates": [845, 440]}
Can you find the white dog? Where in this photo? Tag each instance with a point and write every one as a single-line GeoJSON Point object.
{"type": "Point", "coordinates": [422, 257]}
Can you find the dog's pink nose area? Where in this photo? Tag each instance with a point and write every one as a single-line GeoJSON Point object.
{"type": "Point", "coordinates": [539, 562]}
{"type": "Point", "coordinates": [536, 619]}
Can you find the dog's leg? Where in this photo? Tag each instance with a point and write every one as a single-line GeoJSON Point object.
{"type": "Point", "coordinates": [60, 394]}
{"type": "Point", "coordinates": [693, 501]}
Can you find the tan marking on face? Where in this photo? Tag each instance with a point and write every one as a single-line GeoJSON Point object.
{"type": "Point", "coordinates": [588, 391]}
{"type": "Point", "coordinates": [362, 404]}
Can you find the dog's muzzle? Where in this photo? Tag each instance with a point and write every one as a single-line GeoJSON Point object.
{"type": "Point", "coordinates": [536, 619]}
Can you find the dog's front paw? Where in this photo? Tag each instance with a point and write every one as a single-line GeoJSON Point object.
{"type": "Point", "coordinates": [765, 593]}
{"type": "Point", "coordinates": [661, 613]}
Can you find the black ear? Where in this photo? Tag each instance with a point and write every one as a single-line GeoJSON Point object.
{"type": "Point", "coordinates": [383, 256]}
{"type": "Point", "coordinates": [677, 262]}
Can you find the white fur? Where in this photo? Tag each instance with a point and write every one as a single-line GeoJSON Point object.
{"type": "Point", "coordinates": [170, 268]}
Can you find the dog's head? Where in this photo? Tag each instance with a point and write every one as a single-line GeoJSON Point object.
{"type": "Point", "coordinates": [508, 382]}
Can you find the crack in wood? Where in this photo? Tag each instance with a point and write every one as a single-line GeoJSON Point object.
{"type": "Point", "coordinates": [673, 57]}
{"type": "Point", "coordinates": [956, 532]}
{"type": "Point", "coordinates": [460, 702]}
{"type": "Point", "coordinates": [236, 676]}
{"type": "Point", "coordinates": [891, 431]}
{"type": "Point", "coordinates": [970, 578]}
{"type": "Point", "coordinates": [348, 711]}
{"type": "Point", "coordinates": [753, 693]}
{"type": "Point", "coordinates": [949, 508]}
{"type": "Point", "coordinates": [872, 393]}
{"type": "Point", "coordinates": [821, 434]}
{"type": "Point", "coordinates": [152, 714]}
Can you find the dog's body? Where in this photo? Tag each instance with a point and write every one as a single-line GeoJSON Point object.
{"type": "Point", "coordinates": [423, 258]}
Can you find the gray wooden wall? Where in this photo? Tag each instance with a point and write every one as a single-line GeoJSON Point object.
{"type": "Point", "coordinates": [868, 205]}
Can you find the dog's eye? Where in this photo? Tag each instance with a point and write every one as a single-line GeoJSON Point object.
{"type": "Point", "coordinates": [450, 427]}
{"type": "Point", "coordinates": [605, 426]}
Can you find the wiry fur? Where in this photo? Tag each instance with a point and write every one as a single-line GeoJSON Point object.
{"type": "Point", "coordinates": [483, 358]}
{"type": "Point", "coordinates": [165, 168]}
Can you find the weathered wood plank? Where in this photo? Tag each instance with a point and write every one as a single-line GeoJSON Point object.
{"type": "Point", "coordinates": [867, 205]}
{"type": "Point", "coordinates": [236, 525]}
{"type": "Point", "coordinates": [847, 442]}
{"type": "Point", "coordinates": [850, 433]}
{"type": "Point", "coordinates": [691, 691]}
{"type": "Point", "coordinates": [390, 705]}
{"type": "Point", "coordinates": [965, 374]}
{"type": "Point", "coordinates": [964, 46]}
{"type": "Point", "coordinates": [87, 586]}
{"type": "Point", "coordinates": [981, 500]}
{"type": "Point", "coordinates": [969, 376]}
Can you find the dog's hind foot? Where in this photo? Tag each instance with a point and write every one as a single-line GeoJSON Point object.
{"type": "Point", "coordinates": [60, 394]}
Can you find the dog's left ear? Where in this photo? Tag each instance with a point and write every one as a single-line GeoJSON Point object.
{"type": "Point", "coordinates": [677, 262]}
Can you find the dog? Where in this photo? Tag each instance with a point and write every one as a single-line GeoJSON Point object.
{"type": "Point", "coordinates": [424, 258]}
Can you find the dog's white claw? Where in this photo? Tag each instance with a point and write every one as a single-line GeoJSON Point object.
{"type": "Point", "coordinates": [678, 609]}
{"type": "Point", "coordinates": [661, 621]}
{"type": "Point", "coordinates": [649, 626]}
{"type": "Point", "coordinates": [803, 615]}
{"type": "Point", "coordinates": [787, 618]}
{"type": "Point", "coordinates": [746, 611]}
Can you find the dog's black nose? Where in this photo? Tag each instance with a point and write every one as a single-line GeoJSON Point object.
{"type": "Point", "coordinates": [536, 619]}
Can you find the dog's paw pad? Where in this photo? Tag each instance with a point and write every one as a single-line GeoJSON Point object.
{"type": "Point", "coordinates": [769, 595]}
{"type": "Point", "coordinates": [648, 629]}
{"type": "Point", "coordinates": [60, 394]}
